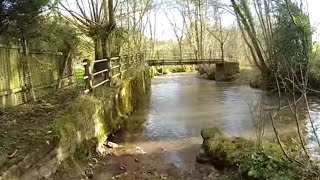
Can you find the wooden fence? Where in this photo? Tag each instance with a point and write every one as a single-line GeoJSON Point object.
{"type": "Point", "coordinates": [44, 69]}
{"type": "Point", "coordinates": [114, 68]}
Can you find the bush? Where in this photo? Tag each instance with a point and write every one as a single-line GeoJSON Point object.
{"type": "Point", "coordinates": [265, 162]}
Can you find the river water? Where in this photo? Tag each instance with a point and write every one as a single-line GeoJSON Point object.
{"type": "Point", "coordinates": [181, 105]}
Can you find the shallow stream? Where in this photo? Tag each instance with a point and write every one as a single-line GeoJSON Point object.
{"type": "Point", "coordinates": [180, 105]}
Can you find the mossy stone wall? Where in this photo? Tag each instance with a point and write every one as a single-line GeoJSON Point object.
{"type": "Point", "coordinates": [97, 115]}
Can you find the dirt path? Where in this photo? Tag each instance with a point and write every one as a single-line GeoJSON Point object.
{"type": "Point", "coordinates": [134, 164]}
{"type": "Point", "coordinates": [27, 128]}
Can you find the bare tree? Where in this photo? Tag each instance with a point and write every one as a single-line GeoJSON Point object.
{"type": "Point", "coordinates": [178, 29]}
{"type": "Point", "coordinates": [135, 18]}
{"type": "Point", "coordinates": [258, 117]}
{"type": "Point", "coordinates": [95, 18]}
{"type": "Point", "coordinates": [218, 32]}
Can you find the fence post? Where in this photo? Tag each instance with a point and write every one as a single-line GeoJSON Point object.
{"type": "Point", "coordinates": [120, 67]}
{"type": "Point", "coordinates": [210, 57]}
{"type": "Point", "coordinates": [109, 72]}
{"type": "Point", "coordinates": [88, 74]}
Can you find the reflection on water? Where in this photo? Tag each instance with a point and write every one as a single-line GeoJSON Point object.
{"type": "Point", "coordinates": [182, 104]}
{"type": "Point", "coordinates": [312, 126]}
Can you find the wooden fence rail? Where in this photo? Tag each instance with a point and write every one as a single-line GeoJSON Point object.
{"type": "Point", "coordinates": [115, 67]}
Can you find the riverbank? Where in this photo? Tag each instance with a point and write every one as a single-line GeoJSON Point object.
{"type": "Point", "coordinates": [84, 122]}
{"type": "Point", "coordinates": [164, 134]}
{"type": "Point", "coordinates": [256, 161]}
{"type": "Point", "coordinates": [163, 138]}
{"type": "Point", "coordinates": [131, 162]}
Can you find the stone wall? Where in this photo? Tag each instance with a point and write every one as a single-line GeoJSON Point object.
{"type": "Point", "coordinates": [89, 118]}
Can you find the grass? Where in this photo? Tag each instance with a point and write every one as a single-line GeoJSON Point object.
{"type": "Point", "coordinates": [79, 74]}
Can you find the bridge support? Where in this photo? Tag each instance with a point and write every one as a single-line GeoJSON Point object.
{"type": "Point", "coordinates": [220, 72]}
{"type": "Point", "coordinates": [225, 70]}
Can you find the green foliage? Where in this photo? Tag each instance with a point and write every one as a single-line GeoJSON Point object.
{"type": "Point", "coordinates": [280, 40]}
{"type": "Point", "coordinates": [264, 162]}
{"type": "Point", "coordinates": [55, 34]}
{"type": "Point", "coordinates": [315, 64]}
{"type": "Point", "coordinates": [268, 162]}
{"type": "Point", "coordinates": [247, 13]}
{"type": "Point", "coordinates": [79, 73]}
{"type": "Point", "coordinates": [292, 39]}
{"type": "Point", "coordinates": [18, 17]}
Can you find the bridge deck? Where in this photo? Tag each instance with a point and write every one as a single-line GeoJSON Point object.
{"type": "Point", "coordinates": [183, 62]}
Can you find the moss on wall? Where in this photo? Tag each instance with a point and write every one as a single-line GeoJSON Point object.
{"type": "Point", "coordinates": [97, 115]}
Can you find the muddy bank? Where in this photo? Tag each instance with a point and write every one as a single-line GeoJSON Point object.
{"type": "Point", "coordinates": [133, 163]}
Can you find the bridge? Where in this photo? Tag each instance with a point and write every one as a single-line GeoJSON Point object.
{"type": "Point", "coordinates": [170, 62]}
{"type": "Point", "coordinates": [114, 67]}
{"type": "Point", "coordinates": [223, 68]}
{"type": "Point", "coordinates": [167, 58]}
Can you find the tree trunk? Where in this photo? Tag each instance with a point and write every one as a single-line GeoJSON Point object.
{"type": "Point", "coordinates": [98, 48]}
{"type": "Point", "coordinates": [180, 51]}
{"type": "Point", "coordinates": [254, 44]}
{"type": "Point", "coordinates": [100, 51]}
{"type": "Point", "coordinates": [106, 47]}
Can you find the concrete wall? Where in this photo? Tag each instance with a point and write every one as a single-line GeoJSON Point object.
{"type": "Point", "coordinates": [89, 118]}
{"type": "Point", "coordinates": [223, 71]}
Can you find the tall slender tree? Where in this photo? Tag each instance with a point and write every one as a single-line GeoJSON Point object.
{"type": "Point", "coordinates": [280, 35]}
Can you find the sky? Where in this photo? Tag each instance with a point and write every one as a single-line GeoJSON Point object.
{"type": "Point", "coordinates": [314, 10]}
{"type": "Point", "coordinates": [164, 29]}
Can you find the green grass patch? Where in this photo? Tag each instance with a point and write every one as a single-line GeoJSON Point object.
{"type": "Point", "coordinates": [79, 74]}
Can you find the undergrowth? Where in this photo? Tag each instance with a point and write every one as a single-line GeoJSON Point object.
{"type": "Point", "coordinates": [264, 162]}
